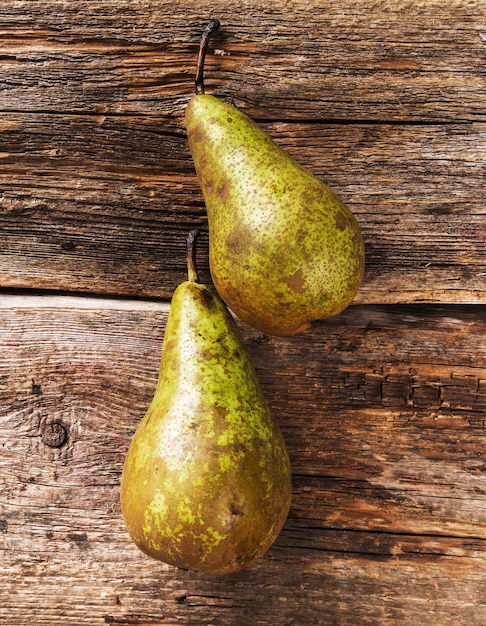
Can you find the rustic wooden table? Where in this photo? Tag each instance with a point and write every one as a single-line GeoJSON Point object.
{"type": "Point", "coordinates": [383, 407]}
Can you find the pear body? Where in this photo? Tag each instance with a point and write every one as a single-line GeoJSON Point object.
{"type": "Point", "coordinates": [206, 483]}
{"type": "Point", "coordinates": [284, 249]}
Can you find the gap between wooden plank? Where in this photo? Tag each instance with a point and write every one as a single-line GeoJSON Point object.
{"type": "Point", "coordinates": [45, 301]}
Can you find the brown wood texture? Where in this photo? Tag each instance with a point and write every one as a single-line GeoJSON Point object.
{"type": "Point", "coordinates": [384, 102]}
{"type": "Point", "coordinates": [384, 415]}
{"type": "Point", "coordinates": [383, 407]}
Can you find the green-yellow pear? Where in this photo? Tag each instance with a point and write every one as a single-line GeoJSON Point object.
{"type": "Point", "coordinates": [284, 249]}
{"type": "Point", "coordinates": [206, 483]}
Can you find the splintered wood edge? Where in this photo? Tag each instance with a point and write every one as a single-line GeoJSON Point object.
{"type": "Point", "coordinates": [79, 302]}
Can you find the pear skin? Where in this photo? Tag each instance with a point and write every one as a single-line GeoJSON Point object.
{"type": "Point", "coordinates": [284, 249]}
{"type": "Point", "coordinates": [206, 483]}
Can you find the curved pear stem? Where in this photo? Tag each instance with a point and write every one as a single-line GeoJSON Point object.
{"type": "Point", "coordinates": [191, 256]}
{"type": "Point", "coordinates": [203, 48]}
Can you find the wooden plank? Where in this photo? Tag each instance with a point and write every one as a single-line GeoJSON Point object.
{"type": "Point", "coordinates": [103, 205]}
{"type": "Point", "coordinates": [385, 101]}
{"type": "Point", "coordinates": [383, 411]}
{"type": "Point", "coordinates": [312, 60]}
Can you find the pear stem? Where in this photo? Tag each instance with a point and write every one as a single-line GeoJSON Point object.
{"type": "Point", "coordinates": [203, 48]}
{"type": "Point", "coordinates": [191, 256]}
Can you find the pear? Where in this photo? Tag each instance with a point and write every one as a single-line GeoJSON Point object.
{"type": "Point", "coordinates": [206, 483]}
{"type": "Point", "coordinates": [284, 248]}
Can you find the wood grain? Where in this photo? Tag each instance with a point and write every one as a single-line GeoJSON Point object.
{"type": "Point", "coordinates": [385, 102]}
{"type": "Point", "coordinates": [358, 60]}
{"type": "Point", "coordinates": [383, 407]}
{"type": "Point", "coordinates": [109, 226]}
{"type": "Point", "coordinates": [383, 412]}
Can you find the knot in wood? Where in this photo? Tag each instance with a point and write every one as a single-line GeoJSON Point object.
{"type": "Point", "coordinates": [54, 434]}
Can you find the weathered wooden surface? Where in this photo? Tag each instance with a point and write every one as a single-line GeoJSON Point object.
{"type": "Point", "coordinates": [383, 410]}
{"type": "Point", "coordinates": [384, 102]}
{"type": "Point", "coordinates": [383, 407]}
{"type": "Point", "coordinates": [111, 212]}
